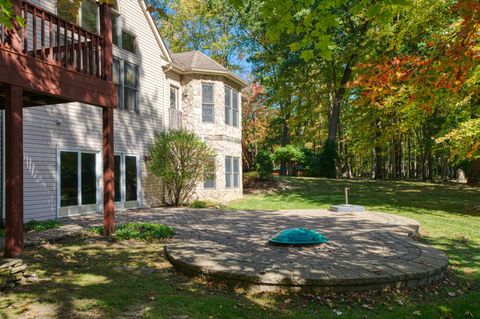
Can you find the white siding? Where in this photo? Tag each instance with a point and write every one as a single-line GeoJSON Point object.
{"type": "Point", "coordinates": [78, 126]}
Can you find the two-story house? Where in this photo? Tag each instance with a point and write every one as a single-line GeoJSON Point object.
{"type": "Point", "coordinates": [67, 148]}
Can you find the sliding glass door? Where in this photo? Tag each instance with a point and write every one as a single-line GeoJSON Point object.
{"type": "Point", "coordinates": [126, 181]}
{"type": "Point", "coordinates": [79, 182]}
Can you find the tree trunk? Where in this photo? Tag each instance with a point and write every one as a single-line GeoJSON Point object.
{"type": "Point", "coordinates": [338, 99]}
{"type": "Point", "coordinates": [285, 141]}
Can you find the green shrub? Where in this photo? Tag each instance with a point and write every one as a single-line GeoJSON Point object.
{"type": "Point", "coordinates": [39, 225]}
{"type": "Point", "coordinates": [139, 230]}
{"type": "Point", "coordinates": [203, 204]}
{"type": "Point", "coordinates": [264, 164]}
{"type": "Point", "coordinates": [249, 179]}
{"type": "Point", "coordinates": [2, 232]}
{"type": "Point", "coordinates": [180, 159]}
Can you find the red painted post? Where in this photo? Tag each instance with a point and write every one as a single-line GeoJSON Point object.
{"type": "Point", "coordinates": [108, 173]}
{"type": "Point", "coordinates": [108, 147]}
{"type": "Point", "coordinates": [14, 170]}
{"type": "Point", "coordinates": [106, 32]}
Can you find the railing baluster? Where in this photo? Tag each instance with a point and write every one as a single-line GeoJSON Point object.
{"type": "Point", "coordinates": [65, 45]}
{"type": "Point", "coordinates": [90, 64]}
{"type": "Point", "coordinates": [83, 54]}
{"type": "Point", "coordinates": [97, 56]}
{"type": "Point", "coordinates": [72, 52]}
{"type": "Point", "coordinates": [34, 31]}
{"type": "Point", "coordinates": [79, 50]}
{"type": "Point", "coordinates": [50, 38]}
{"type": "Point", "coordinates": [42, 36]}
{"type": "Point", "coordinates": [25, 27]}
{"type": "Point", "coordinates": [59, 47]}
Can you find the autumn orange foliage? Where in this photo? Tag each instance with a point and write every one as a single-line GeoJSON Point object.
{"type": "Point", "coordinates": [447, 66]}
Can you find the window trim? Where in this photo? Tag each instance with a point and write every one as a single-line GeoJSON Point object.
{"type": "Point", "coordinates": [122, 85]}
{"type": "Point", "coordinates": [214, 173]}
{"type": "Point", "coordinates": [177, 96]}
{"type": "Point", "coordinates": [98, 176]}
{"type": "Point", "coordinates": [123, 203]}
{"type": "Point", "coordinates": [137, 74]}
{"type": "Point", "coordinates": [231, 174]}
{"type": "Point", "coordinates": [212, 84]}
{"type": "Point", "coordinates": [231, 111]}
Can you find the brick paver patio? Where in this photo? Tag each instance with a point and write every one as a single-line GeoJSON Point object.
{"type": "Point", "coordinates": [365, 250]}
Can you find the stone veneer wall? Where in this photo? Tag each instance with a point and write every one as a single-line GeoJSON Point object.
{"type": "Point", "coordinates": [224, 139]}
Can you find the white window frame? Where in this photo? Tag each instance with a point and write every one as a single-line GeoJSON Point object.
{"type": "Point", "coordinates": [177, 95]}
{"type": "Point", "coordinates": [231, 111]}
{"type": "Point", "coordinates": [80, 209]}
{"type": "Point", "coordinates": [214, 176]}
{"type": "Point", "coordinates": [121, 100]}
{"type": "Point", "coordinates": [231, 174]}
{"type": "Point", "coordinates": [212, 104]}
{"type": "Point", "coordinates": [123, 185]}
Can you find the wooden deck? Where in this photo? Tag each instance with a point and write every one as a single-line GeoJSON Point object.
{"type": "Point", "coordinates": [47, 60]}
{"type": "Point", "coordinates": [52, 57]}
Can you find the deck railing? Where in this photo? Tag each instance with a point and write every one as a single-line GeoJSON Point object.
{"type": "Point", "coordinates": [47, 37]}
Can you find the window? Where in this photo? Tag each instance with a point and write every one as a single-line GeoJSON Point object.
{"type": "Point", "coordinates": [89, 13]}
{"type": "Point", "coordinates": [84, 14]}
{"type": "Point", "coordinates": [128, 42]}
{"type": "Point", "coordinates": [231, 106]}
{"type": "Point", "coordinates": [68, 179]}
{"type": "Point", "coordinates": [209, 175]}
{"type": "Point", "coordinates": [118, 178]}
{"type": "Point", "coordinates": [232, 172]}
{"type": "Point", "coordinates": [120, 37]}
{"type": "Point", "coordinates": [126, 180]}
{"type": "Point", "coordinates": [236, 181]}
{"type": "Point", "coordinates": [89, 179]}
{"type": "Point", "coordinates": [207, 103]}
{"type": "Point", "coordinates": [78, 179]}
{"type": "Point", "coordinates": [130, 87]}
{"type": "Point", "coordinates": [235, 108]}
{"type": "Point", "coordinates": [173, 98]}
{"type": "Point", "coordinates": [228, 105]}
{"type": "Point", "coordinates": [130, 178]}
{"type": "Point", "coordinates": [115, 29]}
{"type": "Point", "coordinates": [125, 77]}
{"type": "Point", "coordinates": [228, 172]}
{"type": "Point", "coordinates": [117, 79]}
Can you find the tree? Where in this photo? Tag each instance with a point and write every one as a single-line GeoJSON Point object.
{"type": "Point", "coordinates": [291, 155]}
{"type": "Point", "coordinates": [179, 159]}
{"type": "Point", "coordinates": [210, 26]}
{"type": "Point", "coordinates": [264, 164]}
{"type": "Point", "coordinates": [256, 118]}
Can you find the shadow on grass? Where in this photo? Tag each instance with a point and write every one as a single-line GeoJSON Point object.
{"type": "Point", "coordinates": [400, 195]}
{"type": "Point", "coordinates": [463, 254]}
{"type": "Point", "coordinates": [112, 280]}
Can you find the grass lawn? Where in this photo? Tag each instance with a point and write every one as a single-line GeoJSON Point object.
{"type": "Point", "coordinates": [96, 278]}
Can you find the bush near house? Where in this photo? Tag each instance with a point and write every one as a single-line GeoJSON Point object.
{"type": "Point", "coordinates": [180, 158]}
{"type": "Point", "coordinates": [138, 230]}
{"type": "Point", "coordinates": [40, 225]}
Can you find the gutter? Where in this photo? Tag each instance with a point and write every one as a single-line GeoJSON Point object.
{"type": "Point", "coordinates": [209, 72]}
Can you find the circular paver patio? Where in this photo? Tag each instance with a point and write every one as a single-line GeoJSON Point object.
{"type": "Point", "coordinates": [365, 250]}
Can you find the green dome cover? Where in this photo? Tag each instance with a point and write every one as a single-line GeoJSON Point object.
{"type": "Point", "coordinates": [298, 236]}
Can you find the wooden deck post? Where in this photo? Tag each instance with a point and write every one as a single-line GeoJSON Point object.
{"type": "Point", "coordinates": [108, 141]}
{"type": "Point", "coordinates": [14, 170]}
